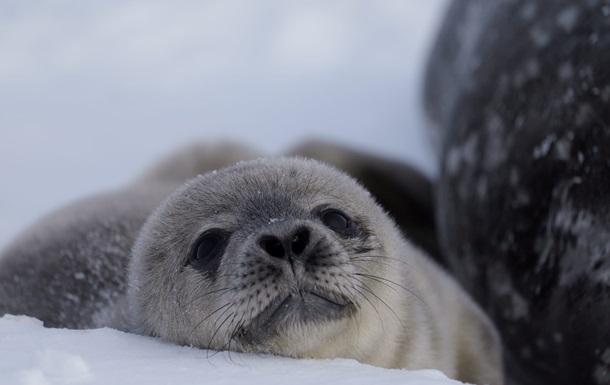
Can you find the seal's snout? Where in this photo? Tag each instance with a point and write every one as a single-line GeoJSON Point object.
{"type": "Point", "coordinates": [285, 244]}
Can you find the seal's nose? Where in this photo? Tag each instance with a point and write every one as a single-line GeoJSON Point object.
{"type": "Point", "coordinates": [283, 246]}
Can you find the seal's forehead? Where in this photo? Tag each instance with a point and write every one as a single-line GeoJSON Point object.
{"type": "Point", "coordinates": [296, 176]}
{"type": "Point", "coordinates": [252, 194]}
{"type": "Point", "coordinates": [285, 182]}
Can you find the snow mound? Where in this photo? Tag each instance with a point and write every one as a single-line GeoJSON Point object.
{"type": "Point", "coordinates": [35, 355]}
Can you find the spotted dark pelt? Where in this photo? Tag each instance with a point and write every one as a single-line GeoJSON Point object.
{"type": "Point", "coordinates": [517, 94]}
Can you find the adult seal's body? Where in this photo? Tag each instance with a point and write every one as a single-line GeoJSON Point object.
{"type": "Point", "coordinates": [518, 94]}
{"type": "Point", "coordinates": [282, 255]}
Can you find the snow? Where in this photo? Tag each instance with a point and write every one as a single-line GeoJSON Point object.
{"type": "Point", "coordinates": [93, 93]}
{"type": "Point", "coordinates": [34, 355]}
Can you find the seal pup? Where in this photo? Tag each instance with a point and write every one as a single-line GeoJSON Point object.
{"type": "Point", "coordinates": [291, 257]}
{"type": "Point", "coordinates": [285, 256]}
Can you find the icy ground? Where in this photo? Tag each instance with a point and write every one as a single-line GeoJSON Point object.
{"type": "Point", "coordinates": [33, 355]}
{"type": "Point", "coordinates": [92, 92]}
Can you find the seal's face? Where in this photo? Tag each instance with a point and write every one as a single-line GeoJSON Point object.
{"type": "Point", "coordinates": [265, 256]}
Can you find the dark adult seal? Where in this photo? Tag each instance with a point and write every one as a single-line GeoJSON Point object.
{"type": "Point", "coordinates": [517, 94]}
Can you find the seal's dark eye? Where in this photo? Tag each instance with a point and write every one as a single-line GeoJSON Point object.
{"type": "Point", "coordinates": [207, 250]}
{"type": "Point", "coordinates": [338, 222]}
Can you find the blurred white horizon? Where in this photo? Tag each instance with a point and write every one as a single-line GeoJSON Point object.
{"type": "Point", "coordinates": [93, 93]}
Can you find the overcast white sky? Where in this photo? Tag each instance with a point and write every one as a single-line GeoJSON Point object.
{"type": "Point", "coordinates": [93, 92]}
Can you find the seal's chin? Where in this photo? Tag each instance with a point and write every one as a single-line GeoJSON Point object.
{"type": "Point", "coordinates": [286, 313]}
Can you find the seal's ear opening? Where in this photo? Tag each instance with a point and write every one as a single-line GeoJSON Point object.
{"type": "Point", "coordinates": [403, 191]}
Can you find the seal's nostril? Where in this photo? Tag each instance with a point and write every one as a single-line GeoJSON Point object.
{"type": "Point", "coordinates": [273, 246]}
{"type": "Point", "coordinates": [283, 246]}
{"type": "Point", "coordinates": [300, 241]}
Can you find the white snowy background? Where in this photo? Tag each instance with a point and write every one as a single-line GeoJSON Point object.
{"type": "Point", "coordinates": [91, 93]}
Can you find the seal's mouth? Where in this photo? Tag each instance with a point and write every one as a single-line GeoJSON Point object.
{"type": "Point", "coordinates": [297, 308]}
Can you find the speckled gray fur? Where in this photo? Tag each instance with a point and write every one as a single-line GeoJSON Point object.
{"type": "Point", "coordinates": [368, 294]}
{"type": "Point", "coordinates": [69, 268]}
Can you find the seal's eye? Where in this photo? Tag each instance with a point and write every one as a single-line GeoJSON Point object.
{"type": "Point", "coordinates": [207, 250]}
{"type": "Point", "coordinates": [338, 222]}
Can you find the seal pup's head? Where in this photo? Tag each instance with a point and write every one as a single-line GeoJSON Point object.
{"type": "Point", "coordinates": [277, 255]}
